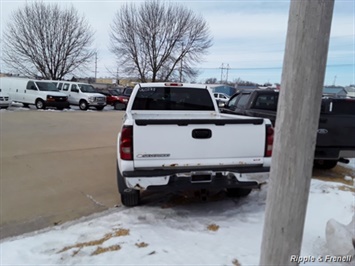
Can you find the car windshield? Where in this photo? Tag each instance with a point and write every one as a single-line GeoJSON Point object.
{"type": "Point", "coordinates": [114, 93]}
{"type": "Point", "coordinates": [46, 86]}
{"type": "Point", "coordinates": [87, 88]}
{"type": "Point", "coordinates": [128, 92]}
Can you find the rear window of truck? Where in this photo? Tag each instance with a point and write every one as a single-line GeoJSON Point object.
{"type": "Point", "coordinates": [173, 98]}
{"type": "Point", "coordinates": [343, 106]}
{"type": "Point", "coordinates": [266, 102]}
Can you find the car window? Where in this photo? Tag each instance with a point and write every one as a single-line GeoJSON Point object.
{"type": "Point", "coordinates": [31, 86]}
{"type": "Point", "coordinates": [215, 95]}
{"type": "Point", "coordinates": [232, 101]}
{"type": "Point", "coordinates": [87, 88]}
{"type": "Point", "coordinates": [343, 106]}
{"type": "Point", "coordinates": [266, 101]}
{"type": "Point", "coordinates": [46, 86]}
{"type": "Point", "coordinates": [60, 85]}
{"type": "Point", "coordinates": [65, 87]}
{"type": "Point", "coordinates": [243, 100]}
{"type": "Point", "coordinates": [172, 98]}
{"type": "Point", "coordinates": [74, 88]}
{"type": "Point", "coordinates": [128, 92]}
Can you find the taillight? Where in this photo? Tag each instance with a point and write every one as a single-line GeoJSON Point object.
{"type": "Point", "coordinates": [126, 143]}
{"type": "Point", "coordinates": [171, 84]}
{"type": "Point", "coordinates": [269, 140]}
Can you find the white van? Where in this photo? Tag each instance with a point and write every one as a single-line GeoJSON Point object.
{"type": "Point", "coordinates": [5, 100]}
{"type": "Point", "coordinates": [41, 93]}
{"type": "Point", "coordinates": [82, 94]}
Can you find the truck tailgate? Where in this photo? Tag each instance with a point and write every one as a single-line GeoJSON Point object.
{"type": "Point", "coordinates": [336, 131]}
{"type": "Point", "coordinates": [337, 124]}
{"type": "Point", "coordinates": [218, 141]}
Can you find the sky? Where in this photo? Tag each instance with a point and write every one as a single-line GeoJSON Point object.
{"type": "Point", "coordinates": [248, 38]}
{"type": "Point", "coordinates": [180, 230]}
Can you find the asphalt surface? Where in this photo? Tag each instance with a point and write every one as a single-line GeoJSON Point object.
{"type": "Point", "coordinates": [55, 167]}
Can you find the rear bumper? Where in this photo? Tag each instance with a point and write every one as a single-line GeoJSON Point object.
{"type": "Point", "coordinates": [5, 104]}
{"type": "Point", "coordinates": [178, 183]}
{"type": "Point", "coordinates": [172, 171]}
{"type": "Point", "coordinates": [331, 153]}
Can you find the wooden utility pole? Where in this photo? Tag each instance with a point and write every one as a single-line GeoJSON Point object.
{"type": "Point", "coordinates": [296, 129]}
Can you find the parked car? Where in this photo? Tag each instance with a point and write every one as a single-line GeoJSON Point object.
{"type": "Point", "coordinates": [221, 98]}
{"type": "Point", "coordinates": [41, 93]}
{"type": "Point", "coordinates": [336, 128]}
{"type": "Point", "coordinates": [114, 98]}
{"type": "Point", "coordinates": [173, 137]}
{"type": "Point", "coordinates": [5, 100]}
{"type": "Point", "coordinates": [82, 94]}
{"type": "Point", "coordinates": [124, 91]}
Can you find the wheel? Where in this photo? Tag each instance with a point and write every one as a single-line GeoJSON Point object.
{"type": "Point", "coordinates": [325, 164]}
{"type": "Point", "coordinates": [83, 105]}
{"type": "Point", "coordinates": [129, 197]}
{"type": "Point", "coordinates": [40, 104]}
{"type": "Point", "coordinates": [99, 108]}
{"type": "Point", "coordinates": [26, 105]}
{"type": "Point", "coordinates": [238, 192]}
{"type": "Point", "coordinates": [118, 106]}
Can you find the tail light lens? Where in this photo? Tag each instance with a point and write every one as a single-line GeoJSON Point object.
{"type": "Point", "coordinates": [126, 143]}
{"type": "Point", "coordinates": [269, 140]}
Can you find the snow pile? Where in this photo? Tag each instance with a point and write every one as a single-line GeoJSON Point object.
{"type": "Point", "coordinates": [340, 237]}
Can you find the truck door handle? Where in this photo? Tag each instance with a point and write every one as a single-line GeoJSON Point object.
{"type": "Point", "coordinates": [201, 133]}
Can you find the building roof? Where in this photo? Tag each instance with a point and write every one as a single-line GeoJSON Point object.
{"type": "Point", "coordinates": [334, 90]}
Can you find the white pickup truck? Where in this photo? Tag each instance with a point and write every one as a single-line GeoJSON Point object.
{"type": "Point", "coordinates": [174, 138]}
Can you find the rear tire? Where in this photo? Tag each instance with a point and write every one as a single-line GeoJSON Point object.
{"type": "Point", "coordinates": [83, 105]}
{"type": "Point", "coordinates": [40, 104]}
{"type": "Point", "coordinates": [325, 164]}
{"type": "Point", "coordinates": [238, 192]}
{"type": "Point", "coordinates": [129, 197]}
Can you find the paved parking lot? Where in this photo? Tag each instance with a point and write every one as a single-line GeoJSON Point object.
{"type": "Point", "coordinates": [55, 166]}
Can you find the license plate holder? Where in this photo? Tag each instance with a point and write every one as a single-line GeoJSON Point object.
{"type": "Point", "coordinates": [201, 177]}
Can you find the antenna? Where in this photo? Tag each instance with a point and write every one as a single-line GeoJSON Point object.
{"type": "Point", "coordinates": [335, 78]}
{"type": "Point", "coordinates": [227, 72]}
{"type": "Point", "coordinates": [222, 67]}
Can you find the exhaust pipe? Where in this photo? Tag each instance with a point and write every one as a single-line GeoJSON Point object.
{"type": "Point", "coordinates": [343, 160]}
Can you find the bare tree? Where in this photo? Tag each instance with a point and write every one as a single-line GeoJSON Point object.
{"type": "Point", "coordinates": [211, 81]}
{"type": "Point", "coordinates": [159, 40]}
{"type": "Point", "coordinates": [41, 39]}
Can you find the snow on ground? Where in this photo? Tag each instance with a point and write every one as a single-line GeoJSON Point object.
{"type": "Point", "coordinates": [350, 165]}
{"type": "Point", "coordinates": [178, 232]}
